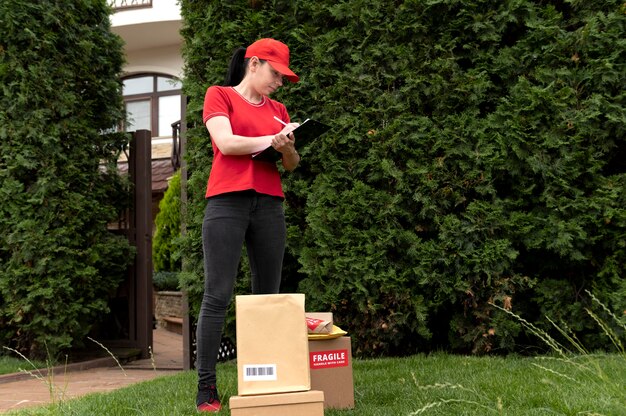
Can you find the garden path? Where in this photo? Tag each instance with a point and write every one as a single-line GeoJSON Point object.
{"type": "Point", "coordinates": [102, 375]}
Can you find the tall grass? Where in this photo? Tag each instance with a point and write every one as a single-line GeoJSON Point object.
{"type": "Point", "coordinates": [573, 363]}
{"type": "Point", "coordinates": [46, 374]}
{"type": "Point", "coordinates": [56, 391]}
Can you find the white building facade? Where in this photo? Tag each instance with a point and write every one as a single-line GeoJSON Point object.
{"type": "Point", "coordinates": [152, 73]}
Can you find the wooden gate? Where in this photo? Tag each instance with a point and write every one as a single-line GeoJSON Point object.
{"type": "Point", "coordinates": [130, 322]}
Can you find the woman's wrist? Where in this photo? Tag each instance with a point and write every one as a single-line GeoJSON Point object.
{"type": "Point", "coordinates": [291, 160]}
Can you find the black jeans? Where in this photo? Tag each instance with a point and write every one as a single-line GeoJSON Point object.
{"type": "Point", "coordinates": [229, 221]}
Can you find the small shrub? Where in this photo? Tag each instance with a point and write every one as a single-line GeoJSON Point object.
{"type": "Point", "coordinates": [165, 252]}
{"type": "Point", "coordinates": [165, 281]}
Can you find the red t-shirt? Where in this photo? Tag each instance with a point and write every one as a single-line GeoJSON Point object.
{"type": "Point", "coordinates": [240, 173]}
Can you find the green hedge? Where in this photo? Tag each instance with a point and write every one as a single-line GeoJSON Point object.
{"type": "Point", "coordinates": [59, 91]}
{"type": "Point", "coordinates": [476, 157]}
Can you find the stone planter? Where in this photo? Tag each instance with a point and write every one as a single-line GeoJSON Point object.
{"type": "Point", "coordinates": [168, 310]}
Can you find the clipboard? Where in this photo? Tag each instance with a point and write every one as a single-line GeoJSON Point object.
{"type": "Point", "coordinates": [305, 133]}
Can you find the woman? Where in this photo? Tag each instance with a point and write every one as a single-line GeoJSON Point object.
{"type": "Point", "coordinates": [244, 196]}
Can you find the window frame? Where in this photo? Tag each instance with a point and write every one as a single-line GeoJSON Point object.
{"type": "Point", "coordinates": [153, 97]}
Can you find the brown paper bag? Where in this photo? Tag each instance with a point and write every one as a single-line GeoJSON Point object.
{"type": "Point", "coordinates": [272, 344]}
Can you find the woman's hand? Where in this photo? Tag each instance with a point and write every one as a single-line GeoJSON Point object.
{"type": "Point", "coordinates": [284, 142]}
{"type": "Point", "coordinates": [289, 128]}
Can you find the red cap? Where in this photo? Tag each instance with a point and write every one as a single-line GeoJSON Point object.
{"type": "Point", "coordinates": [274, 52]}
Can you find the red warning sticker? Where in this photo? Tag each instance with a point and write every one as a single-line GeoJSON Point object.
{"type": "Point", "coordinates": [328, 359]}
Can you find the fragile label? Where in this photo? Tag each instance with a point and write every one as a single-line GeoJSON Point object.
{"type": "Point", "coordinates": [259, 372]}
{"type": "Point", "coordinates": [328, 359]}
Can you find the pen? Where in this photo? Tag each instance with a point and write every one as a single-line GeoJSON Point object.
{"type": "Point", "coordinates": [280, 121]}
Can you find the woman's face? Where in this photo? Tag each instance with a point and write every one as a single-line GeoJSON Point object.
{"type": "Point", "coordinates": [267, 79]}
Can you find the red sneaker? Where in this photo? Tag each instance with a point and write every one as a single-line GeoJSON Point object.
{"type": "Point", "coordinates": [207, 407]}
{"type": "Point", "coordinates": [207, 400]}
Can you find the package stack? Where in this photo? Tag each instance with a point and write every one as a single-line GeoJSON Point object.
{"type": "Point", "coordinates": [273, 358]}
{"type": "Point", "coordinates": [330, 360]}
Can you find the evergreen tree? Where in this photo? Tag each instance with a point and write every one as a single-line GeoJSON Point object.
{"type": "Point", "coordinates": [60, 91]}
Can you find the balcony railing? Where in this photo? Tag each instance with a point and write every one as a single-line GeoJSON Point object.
{"type": "Point", "coordinates": [120, 5]}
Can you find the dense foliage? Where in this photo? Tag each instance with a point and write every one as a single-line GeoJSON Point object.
{"type": "Point", "coordinates": [60, 91]}
{"type": "Point", "coordinates": [476, 158]}
{"type": "Point", "coordinates": [165, 253]}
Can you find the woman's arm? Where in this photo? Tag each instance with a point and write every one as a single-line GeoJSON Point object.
{"type": "Point", "coordinates": [231, 144]}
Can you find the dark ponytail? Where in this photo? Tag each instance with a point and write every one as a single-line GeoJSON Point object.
{"type": "Point", "coordinates": [236, 69]}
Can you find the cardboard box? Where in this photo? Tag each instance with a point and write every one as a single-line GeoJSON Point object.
{"type": "Point", "coordinates": [330, 362]}
{"type": "Point", "coordinates": [307, 403]}
{"type": "Point", "coordinates": [272, 344]}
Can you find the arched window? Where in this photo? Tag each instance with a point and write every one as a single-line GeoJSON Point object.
{"type": "Point", "coordinates": [153, 102]}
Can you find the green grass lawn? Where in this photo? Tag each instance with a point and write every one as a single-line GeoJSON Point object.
{"type": "Point", "coordinates": [436, 384]}
{"type": "Point", "coordinates": [10, 365]}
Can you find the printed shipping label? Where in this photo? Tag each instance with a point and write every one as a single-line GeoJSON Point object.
{"type": "Point", "coordinates": [328, 359]}
{"type": "Point", "coordinates": [259, 372]}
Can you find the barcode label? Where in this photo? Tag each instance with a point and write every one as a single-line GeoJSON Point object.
{"type": "Point", "coordinates": [259, 372]}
